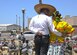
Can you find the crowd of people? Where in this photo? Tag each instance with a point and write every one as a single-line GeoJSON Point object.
{"type": "Point", "coordinates": [41, 25]}
{"type": "Point", "coordinates": [14, 45]}
{"type": "Point", "coordinates": [27, 46]}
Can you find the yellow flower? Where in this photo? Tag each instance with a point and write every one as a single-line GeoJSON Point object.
{"type": "Point", "coordinates": [54, 36]}
{"type": "Point", "coordinates": [55, 23]}
{"type": "Point", "coordinates": [69, 27]}
{"type": "Point", "coordinates": [63, 26]}
{"type": "Point", "coordinates": [71, 31]}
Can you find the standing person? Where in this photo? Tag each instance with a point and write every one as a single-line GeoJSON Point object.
{"type": "Point", "coordinates": [21, 37]}
{"type": "Point", "coordinates": [56, 42]}
{"type": "Point", "coordinates": [40, 25]}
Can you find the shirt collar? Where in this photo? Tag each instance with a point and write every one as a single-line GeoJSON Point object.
{"type": "Point", "coordinates": [42, 14]}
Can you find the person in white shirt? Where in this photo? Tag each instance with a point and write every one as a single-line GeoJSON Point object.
{"type": "Point", "coordinates": [40, 25]}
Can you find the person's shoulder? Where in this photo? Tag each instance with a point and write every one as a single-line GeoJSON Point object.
{"type": "Point", "coordinates": [48, 18]}
{"type": "Point", "coordinates": [45, 16]}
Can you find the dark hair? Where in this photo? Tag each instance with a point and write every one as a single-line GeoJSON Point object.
{"type": "Point", "coordinates": [27, 41]}
{"type": "Point", "coordinates": [43, 11]}
{"type": "Point", "coordinates": [21, 33]}
{"type": "Point", "coordinates": [67, 38]}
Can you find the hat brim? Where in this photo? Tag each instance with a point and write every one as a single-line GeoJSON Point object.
{"type": "Point", "coordinates": [51, 8]}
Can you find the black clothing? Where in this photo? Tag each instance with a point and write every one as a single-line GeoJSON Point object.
{"type": "Point", "coordinates": [22, 38]}
{"type": "Point", "coordinates": [41, 44]}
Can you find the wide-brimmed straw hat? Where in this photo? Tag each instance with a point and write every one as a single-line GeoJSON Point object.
{"type": "Point", "coordinates": [51, 8]}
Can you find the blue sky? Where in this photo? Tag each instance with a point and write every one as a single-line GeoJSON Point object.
{"type": "Point", "coordinates": [10, 8]}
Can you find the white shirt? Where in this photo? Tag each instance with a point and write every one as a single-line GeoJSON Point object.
{"type": "Point", "coordinates": [43, 24]}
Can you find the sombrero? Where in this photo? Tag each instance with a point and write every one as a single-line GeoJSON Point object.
{"type": "Point", "coordinates": [51, 8]}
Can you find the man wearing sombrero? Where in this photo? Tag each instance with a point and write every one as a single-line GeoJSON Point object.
{"type": "Point", "coordinates": [40, 25]}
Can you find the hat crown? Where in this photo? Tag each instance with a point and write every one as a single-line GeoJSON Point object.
{"type": "Point", "coordinates": [40, 6]}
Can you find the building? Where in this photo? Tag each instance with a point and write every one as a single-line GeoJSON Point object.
{"type": "Point", "coordinates": [9, 27]}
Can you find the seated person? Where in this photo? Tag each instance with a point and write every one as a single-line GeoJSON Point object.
{"type": "Point", "coordinates": [12, 44]}
{"type": "Point", "coordinates": [4, 43]}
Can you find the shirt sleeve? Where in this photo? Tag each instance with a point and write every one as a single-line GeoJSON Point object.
{"type": "Point", "coordinates": [52, 28]}
{"type": "Point", "coordinates": [31, 26]}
